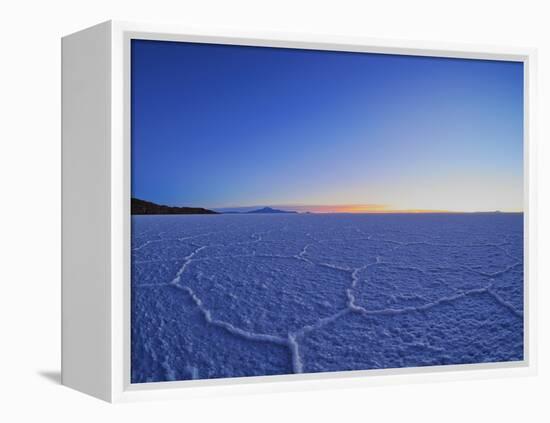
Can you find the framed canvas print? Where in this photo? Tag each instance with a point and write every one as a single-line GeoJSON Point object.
{"type": "Point", "coordinates": [250, 212]}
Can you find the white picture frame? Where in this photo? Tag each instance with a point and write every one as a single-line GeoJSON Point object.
{"type": "Point", "coordinates": [96, 213]}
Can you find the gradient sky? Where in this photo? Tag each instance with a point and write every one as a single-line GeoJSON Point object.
{"type": "Point", "coordinates": [225, 126]}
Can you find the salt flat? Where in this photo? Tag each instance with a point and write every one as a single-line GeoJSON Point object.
{"type": "Point", "coordinates": [242, 295]}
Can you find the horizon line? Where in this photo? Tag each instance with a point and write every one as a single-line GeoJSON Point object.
{"type": "Point", "coordinates": [357, 209]}
{"type": "Point", "coordinates": [389, 212]}
{"type": "Point", "coordinates": [341, 209]}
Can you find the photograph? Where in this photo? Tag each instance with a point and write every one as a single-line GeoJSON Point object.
{"type": "Point", "coordinates": [307, 211]}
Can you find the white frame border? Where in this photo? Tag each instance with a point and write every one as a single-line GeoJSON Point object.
{"type": "Point", "coordinates": [121, 388]}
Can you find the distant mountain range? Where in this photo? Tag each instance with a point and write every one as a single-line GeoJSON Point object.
{"type": "Point", "coordinates": [269, 210]}
{"type": "Point", "coordinates": [147, 207]}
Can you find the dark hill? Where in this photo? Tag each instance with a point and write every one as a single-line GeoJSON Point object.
{"type": "Point", "coordinates": [146, 207]}
{"type": "Point", "coordinates": [270, 210]}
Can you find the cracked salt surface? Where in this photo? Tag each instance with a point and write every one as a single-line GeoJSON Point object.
{"type": "Point", "coordinates": [248, 295]}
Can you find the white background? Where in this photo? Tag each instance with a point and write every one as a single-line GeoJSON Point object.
{"type": "Point", "coordinates": [30, 207]}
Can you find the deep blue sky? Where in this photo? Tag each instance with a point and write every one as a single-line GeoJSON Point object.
{"type": "Point", "coordinates": [220, 126]}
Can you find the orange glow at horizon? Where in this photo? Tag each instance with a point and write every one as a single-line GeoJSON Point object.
{"type": "Point", "coordinates": [375, 209]}
{"type": "Point", "coordinates": [367, 208]}
{"type": "Point", "coordinates": [349, 208]}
